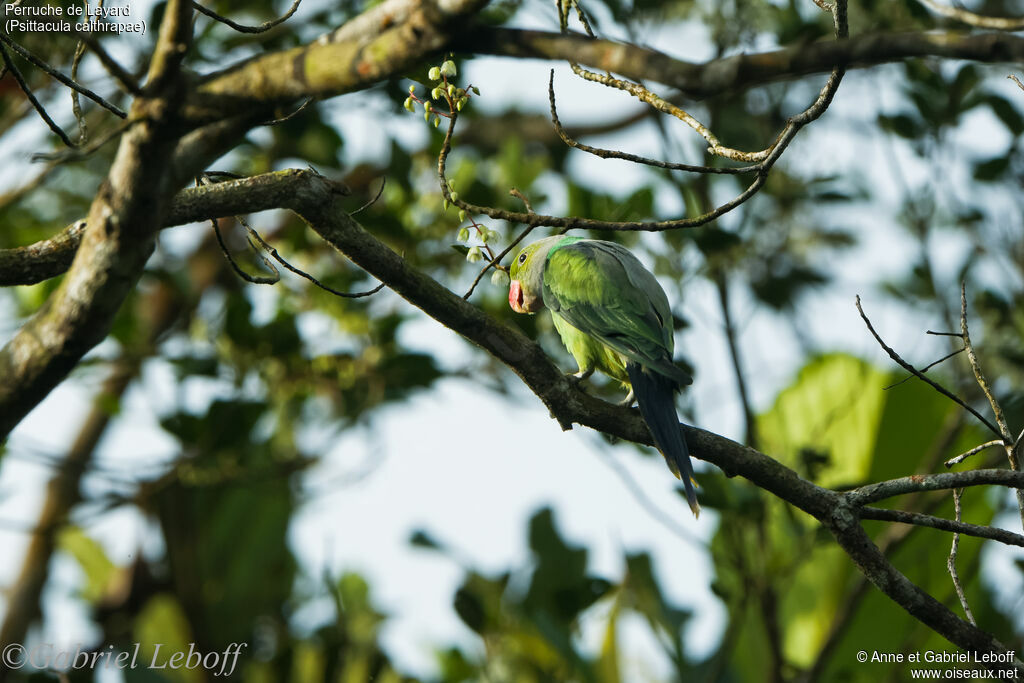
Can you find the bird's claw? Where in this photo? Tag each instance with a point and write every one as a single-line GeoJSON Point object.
{"type": "Point", "coordinates": [578, 377]}
{"type": "Point", "coordinates": [629, 400]}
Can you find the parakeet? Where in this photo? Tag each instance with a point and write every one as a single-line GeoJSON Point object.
{"type": "Point", "coordinates": [612, 316]}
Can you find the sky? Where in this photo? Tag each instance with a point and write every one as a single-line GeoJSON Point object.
{"type": "Point", "coordinates": [471, 467]}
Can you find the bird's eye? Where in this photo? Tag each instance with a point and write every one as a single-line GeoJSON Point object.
{"type": "Point", "coordinates": [522, 258]}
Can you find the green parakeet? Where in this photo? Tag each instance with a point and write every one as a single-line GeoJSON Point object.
{"type": "Point", "coordinates": [612, 316]}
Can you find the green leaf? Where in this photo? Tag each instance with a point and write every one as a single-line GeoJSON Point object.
{"type": "Point", "coordinates": [1008, 113]}
{"type": "Point", "coordinates": [163, 621]}
{"type": "Point", "coordinates": [99, 571]}
{"type": "Point", "coordinates": [903, 125]}
{"type": "Point", "coordinates": [470, 609]}
{"type": "Point", "coordinates": [992, 169]}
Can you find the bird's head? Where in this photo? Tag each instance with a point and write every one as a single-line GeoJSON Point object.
{"type": "Point", "coordinates": [527, 277]}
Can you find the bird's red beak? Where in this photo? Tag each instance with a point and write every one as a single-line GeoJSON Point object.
{"type": "Point", "coordinates": [515, 297]}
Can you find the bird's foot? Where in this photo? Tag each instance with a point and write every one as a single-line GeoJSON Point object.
{"type": "Point", "coordinates": [578, 377]}
{"type": "Point", "coordinates": [629, 400]}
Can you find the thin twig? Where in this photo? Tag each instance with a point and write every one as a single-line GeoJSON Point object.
{"type": "Point", "coordinates": [729, 329]}
{"type": "Point", "coordinates": [933, 522]}
{"type": "Point", "coordinates": [1017, 81]}
{"type": "Point", "coordinates": [582, 16]}
{"type": "Point", "coordinates": [615, 154]}
{"type": "Point", "coordinates": [126, 80]}
{"type": "Point", "coordinates": [977, 449]}
{"type": "Point", "coordinates": [518, 194]}
{"type": "Point", "coordinates": [973, 19]}
{"type": "Point", "coordinates": [924, 378]}
{"type": "Point", "coordinates": [571, 222]}
{"type": "Point", "coordinates": [260, 245]}
{"type": "Point", "coordinates": [277, 257]}
{"type": "Point", "coordinates": [376, 197]}
{"type": "Point", "coordinates": [715, 147]}
{"type": "Point", "coordinates": [76, 103]}
{"type": "Point", "coordinates": [241, 28]}
{"type": "Point", "coordinates": [1008, 442]}
{"type": "Point", "coordinates": [76, 153]}
{"type": "Point", "coordinates": [997, 410]}
{"type": "Point", "coordinates": [951, 561]}
{"type": "Point", "coordinates": [926, 368]}
{"type": "Point", "coordinates": [254, 279]}
{"type": "Point", "coordinates": [302, 107]}
{"type": "Point", "coordinates": [766, 158]}
{"type": "Point", "coordinates": [57, 75]}
{"type": "Point", "coordinates": [40, 109]}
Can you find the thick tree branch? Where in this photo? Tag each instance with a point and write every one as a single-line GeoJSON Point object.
{"type": "Point", "coordinates": [397, 34]}
{"type": "Point", "coordinates": [738, 72]}
{"type": "Point", "coordinates": [125, 216]}
{"type": "Point", "coordinates": [42, 260]}
{"type": "Point", "coordinates": [844, 525]}
{"type": "Point", "coordinates": [345, 61]}
{"type": "Point", "coordinates": [52, 257]}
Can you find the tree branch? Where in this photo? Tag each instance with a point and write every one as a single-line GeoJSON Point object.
{"type": "Point", "coordinates": [872, 562]}
{"type": "Point", "coordinates": [920, 375]}
{"type": "Point", "coordinates": [1009, 444]}
{"type": "Point", "coordinates": [52, 257]}
{"type": "Point", "coordinates": [344, 61]}
{"type": "Point", "coordinates": [870, 493]}
{"type": "Point", "coordinates": [951, 560]}
{"type": "Point", "coordinates": [973, 19]}
{"type": "Point", "coordinates": [127, 212]}
{"type": "Point", "coordinates": [241, 28]}
{"type": "Point", "coordinates": [933, 522]}
{"type": "Point", "coordinates": [738, 72]}
{"type": "Point", "coordinates": [398, 33]}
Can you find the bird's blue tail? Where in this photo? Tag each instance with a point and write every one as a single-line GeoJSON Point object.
{"type": "Point", "coordinates": [655, 395]}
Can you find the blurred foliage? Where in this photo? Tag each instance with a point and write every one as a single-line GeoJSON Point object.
{"type": "Point", "coordinates": [837, 427]}
{"type": "Point", "coordinates": [271, 364]}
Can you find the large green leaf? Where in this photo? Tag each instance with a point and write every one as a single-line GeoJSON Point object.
{"type": "Point", "coordinates": [788, 585]}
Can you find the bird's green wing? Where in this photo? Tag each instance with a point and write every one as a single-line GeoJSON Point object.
{"type": "Point", "coordinates": [601, 289]}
